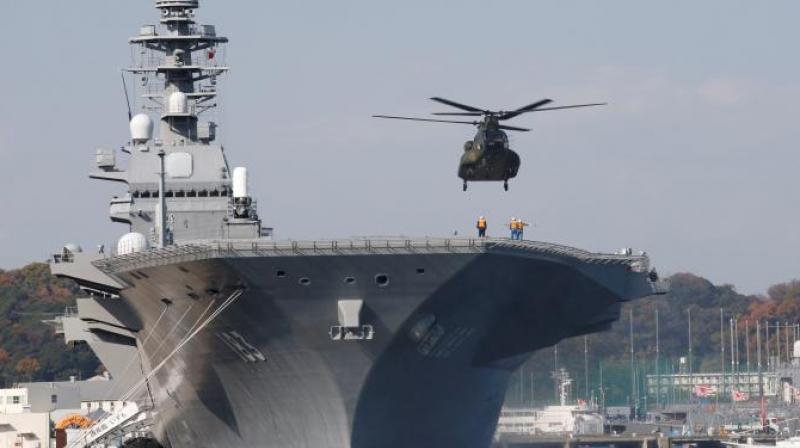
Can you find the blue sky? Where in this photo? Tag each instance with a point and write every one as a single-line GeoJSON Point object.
{"type": "Point", "coordinates": [694, 160]}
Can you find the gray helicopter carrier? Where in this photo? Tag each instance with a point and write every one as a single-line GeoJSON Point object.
{"type": "Point", "coordinates": [239, 340]}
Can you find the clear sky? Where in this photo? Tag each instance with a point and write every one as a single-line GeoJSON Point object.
{"type": "Point", "coordinates": [695, 160]}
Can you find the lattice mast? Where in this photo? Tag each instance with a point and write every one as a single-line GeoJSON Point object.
{"type": "Point", "coordinates": [178, 69]}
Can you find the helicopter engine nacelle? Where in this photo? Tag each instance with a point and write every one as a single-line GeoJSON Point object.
{"type": "Point", "coordinates": [468, 146]}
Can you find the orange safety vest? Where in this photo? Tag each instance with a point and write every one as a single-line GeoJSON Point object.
{"type": "Point", "coordinates": [481, 223]}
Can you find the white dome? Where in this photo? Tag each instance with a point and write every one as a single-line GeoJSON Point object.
{"type": "Point", "coordinates": [132, 243]}
{"type": "Point", "coordinates": [178, 104]}
{"type": "Point", "coordinates": [141, 128]}
{"type": "Point", "coordinates": [240, 182]}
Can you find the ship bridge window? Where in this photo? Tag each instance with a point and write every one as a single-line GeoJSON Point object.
{"type": "Point", "coordinates": [382, 280]}
{"type": "Point", "coordinates": [214, 193]}
{"type": "Point", "coordinates": [191, 194]}
{"type": "Point", "coordinates": [203, 194]}
{"type": "Point", "coordinates": [135, 194]}
{"type": "Point", "coordinates": [180, 194]}
{"type": "Point", "coordinates": [169, 194]}
{"type": "Point", "coordinates": [145, 194]}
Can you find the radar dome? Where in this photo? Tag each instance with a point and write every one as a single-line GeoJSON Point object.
{"type": "Point", "coordinates": [141, 128]}
{"type": "Point", "coordinates": [178, 104]}
{"type": "Point", "coordinates": [132, 243]}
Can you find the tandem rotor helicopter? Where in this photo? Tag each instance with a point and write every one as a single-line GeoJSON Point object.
{"type": "Point", "coordinates": [487, 157]}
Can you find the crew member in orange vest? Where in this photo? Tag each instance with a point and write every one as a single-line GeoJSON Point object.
{"type": "Point", "coordinates": [482, 227]}
{"type": "Point", "coordinates": [521, 229]}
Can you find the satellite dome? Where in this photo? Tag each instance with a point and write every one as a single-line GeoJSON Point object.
{"type": "Point", "coordinates": [178, 104]}
{"type": "Point", "coordinates": [141, 128]}
{"type": "Point", "coordinates": [132, 243]}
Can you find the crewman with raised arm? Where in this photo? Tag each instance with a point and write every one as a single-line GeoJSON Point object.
{"type": "Point", "coordinates": [521, 229]}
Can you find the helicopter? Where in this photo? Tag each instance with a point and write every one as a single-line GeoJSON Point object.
{"type": "Point", "coordinates": [488, 157]}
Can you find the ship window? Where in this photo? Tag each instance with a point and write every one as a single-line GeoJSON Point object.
{"type": "Point", "coordinates": [281, 274]}
{"type": "Point", "coordinates": [350, 280]}
{"type": "Point", "coordinates": [15, 399]}
{"type": "Point", "coordinates": [135, 194]}
{"type": "Point", "coordinates": [305, 281]}
{"type": "Point", "coordinates": [169, 194]}
{"type": "Point", "coordinates": [180, 194]}
{"type": "Point", "coordinates": [53, 398]}
{"type": "Point", "coordinates": [155, 194]}
{"type": "Point", "coordinates": [421, 271]}
{"type": "Point", "coordinates": [191, 194]}
{"type": "Point", "coordinates": [203, 194]}
{"type": "Point", "coordinates": [214, 193]}
{"type": "Point", "coordinates": [382, 280]}
{"type": "Point", "coordinates": [145, 194]}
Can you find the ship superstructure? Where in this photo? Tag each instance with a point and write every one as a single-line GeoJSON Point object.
{"type": "Point", "coordinates": [243, 341]}
{"type": "Point", "coordinates": [179, 63]}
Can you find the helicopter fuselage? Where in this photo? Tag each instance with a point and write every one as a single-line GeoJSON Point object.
{"type": "Point", "coordinates": [488, 157]}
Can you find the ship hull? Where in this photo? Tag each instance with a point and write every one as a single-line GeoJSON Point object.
{"type": "Point", "coordinates": [449, 329]}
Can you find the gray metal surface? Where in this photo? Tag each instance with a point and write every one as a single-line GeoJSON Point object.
{"type": "Point", "coordinates": [441, 386]}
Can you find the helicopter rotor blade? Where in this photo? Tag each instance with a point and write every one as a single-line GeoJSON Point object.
{"type": "Point", "coordinates": [524, 109]}
{"type": "Point", "coordinates": [457, 105]}
{"type": "Point", "coordinates": [425, 119]}
{"type": "Point", "coordinates": [513, 128]}
{"type": "Point", "coordinates": [567, 107]}
{"type": "Point", "coordinates": [460, 114]}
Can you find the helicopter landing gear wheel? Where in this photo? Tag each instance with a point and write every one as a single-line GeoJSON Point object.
{"type": "Point", "coordinates": [505, 185]}
{"type": "Point", "coordinates": [465, 186]}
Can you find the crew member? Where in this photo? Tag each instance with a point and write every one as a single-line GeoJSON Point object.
{"type": "Point", "coordinates": [481, 227]}
{"type": "Point", "coordinates": [521, 229]}
{"type": "Point", "coordinates": [512, 226]}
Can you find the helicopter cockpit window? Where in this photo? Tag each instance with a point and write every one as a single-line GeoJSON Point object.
{"type": "Point", "coordinates": [498, 139]}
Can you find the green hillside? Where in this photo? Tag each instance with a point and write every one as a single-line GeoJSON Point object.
{"type": "Point", "coordinates": [611, 350]}
{"type": "Point", "coordinates": [29, 349]}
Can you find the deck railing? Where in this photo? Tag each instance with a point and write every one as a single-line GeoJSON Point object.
{"type": "Point", "coordinates": [208, 249]}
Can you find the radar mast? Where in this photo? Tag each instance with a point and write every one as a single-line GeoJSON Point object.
{"type": "Point", "coordinates": [177, 69]}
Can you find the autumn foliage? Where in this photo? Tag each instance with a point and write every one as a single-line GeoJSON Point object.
{"type": "Point", "coordinates": [29, 349]}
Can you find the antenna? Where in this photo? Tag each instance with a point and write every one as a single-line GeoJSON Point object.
{"type": "Point", "coordinates": [127, 98]}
